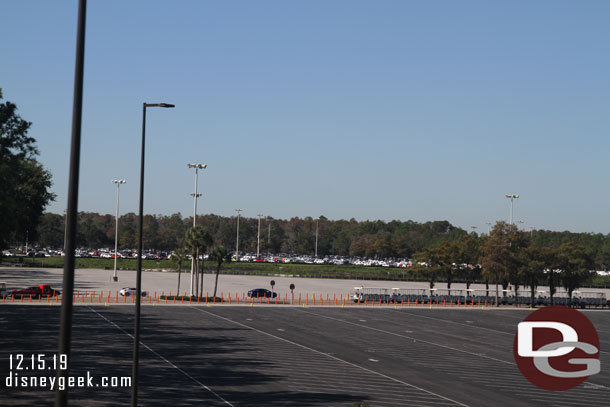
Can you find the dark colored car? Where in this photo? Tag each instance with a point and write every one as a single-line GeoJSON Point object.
{"type": "Point", "coordinates": [261, 293]}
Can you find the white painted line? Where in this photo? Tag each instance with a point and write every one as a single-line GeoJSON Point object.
{"type": "Point", "coordinates": [165, 360]}
{"type": "Point", "coordinates": [409, 337]}
{"type": "Point", "coordinates": [330, 356]}
{"type": "Point", "coordinates": [459, 323]}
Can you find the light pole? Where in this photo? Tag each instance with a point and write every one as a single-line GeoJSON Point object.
{"type": "Point", "coordinates": [237, 242]}
{"type": "Point", "coordinates": [67, 302]}
{"type": "Point", "coordinates": [258, 240]}
{"type": "Point", "coordinates": [512, 197]}
{"type": "Point", "coordinates": [136, 333]}
{"type": "Point", "coordinates": [118, 183]}
{"type": "Point", "coordinates": [195, 196]}
{"type": "Point", "coordinates": [316, 250]}
{"type": "Point", "coordinates": [269, 231]}
{"type": "Point", "coordinates": [520, 222]}
{"type": "Point", "coordinates": [474, 229]}
{"type": "Point", "coordinates": [488, 228]}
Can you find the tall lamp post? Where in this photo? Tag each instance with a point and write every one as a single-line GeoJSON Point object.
{"type": "Point", "coordinates": [512, 197]}
{"type": "Point", "coordinates": [258, 240]}
{"type": "Point", "coordinates": [195, 196]}
{"type": "Point", "coordinates": [65, 330]}
{"type": "Point", "coordinates": [118, 183]}
{"type": "Point", "coordinates": [136, 333]}
{"type": "Point", "coordinates": [316, 250]}
{"type": "Point", "coordinates": [237, 241]}
{"type": "Point", "coordinates": [269, 232]}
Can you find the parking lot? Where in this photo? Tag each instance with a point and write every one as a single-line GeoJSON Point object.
{"type": "Point", "coordinates": [263, 355]}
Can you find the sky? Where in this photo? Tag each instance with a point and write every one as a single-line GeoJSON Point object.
{"type": "Point", "coordinates": [421, 110]}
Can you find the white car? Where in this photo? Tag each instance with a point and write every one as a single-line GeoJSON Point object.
{"type": "Point", "coordinates": [129, 291]}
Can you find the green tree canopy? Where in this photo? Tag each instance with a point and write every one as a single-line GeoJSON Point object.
{"type": "Point", "coordinates": [575, 265]}
{"type": "Point", "coordinates": [24, 181]}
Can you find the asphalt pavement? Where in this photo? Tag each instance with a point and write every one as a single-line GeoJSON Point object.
{"type": "Point", "coordinates": [264, 355]}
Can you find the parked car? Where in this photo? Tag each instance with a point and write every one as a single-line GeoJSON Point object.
{"type": "Point", "coordinates": [40, 291]}
{"type": "Point", "coordinates": [129, 291]}
{"type": "Point", "coordinates": [261, 293]}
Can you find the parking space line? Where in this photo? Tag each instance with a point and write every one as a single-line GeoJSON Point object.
{"type": "Point", "coordinates": [471, 325]}
{"type": "Point", "coordinates": [329, 356]}
{"type": "Point", "coordinates": [164, 359]}
{"type": "Point", "coordinates": [407, 337]}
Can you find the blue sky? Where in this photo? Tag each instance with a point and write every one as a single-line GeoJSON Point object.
{"type": "Point", "coordinates": [423, 110]}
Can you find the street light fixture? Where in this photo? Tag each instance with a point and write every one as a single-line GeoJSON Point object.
{"type": "Point", "coordinates": [195, 196]}
{"type": "Point", "coordinates": [118, 183]}
{"type": "Point", "coordinates": [237, 242]}
{"type": "Point", "coordinates": [512, 197]}
{"type": "Point", "coordinates": [136, 335]}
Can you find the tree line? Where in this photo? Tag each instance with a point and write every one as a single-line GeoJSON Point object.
{"type": "Point", "coordinates": [380, 239]}
{"type": "Point", "coordinates": [510, 257]}
{"type": "Point", "coordinates": [394, 239]}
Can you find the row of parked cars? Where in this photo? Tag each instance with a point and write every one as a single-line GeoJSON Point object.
{"type": "Point", "coordinates": [580, 299]}
{"type": "Point", "coordinates": [330, 260]}
{"type": "Point", "coordinates": [45, 290]}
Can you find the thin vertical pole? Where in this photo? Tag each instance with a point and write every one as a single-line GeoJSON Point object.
{"type": "Point", "coordinates": [65, 330]}
{"type": "Point", "coordinates": [194, 224]}
{"type": "Point", "coordinates": [237, 242]}
{"type": "Point", "coordinates": [258, 239]}
{"type": "Point", "coordinates": [116, 232]}
{"type": "Point", "coordinates": [316, 254]}
{"type": "Point", "coordinates": [136, 334]}
{"type": "Point", "coordinates": [196, 196]}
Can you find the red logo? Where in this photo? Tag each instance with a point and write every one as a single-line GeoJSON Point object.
{"type": "Point", "coordinates": [556, 348]}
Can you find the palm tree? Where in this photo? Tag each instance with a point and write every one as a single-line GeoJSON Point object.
{"type": "Point", "coordinates": [197, 240]}
{"type": "Point", "coordinates": [178, 256]}
{"type": "Point", "coordinates": [219, 255]}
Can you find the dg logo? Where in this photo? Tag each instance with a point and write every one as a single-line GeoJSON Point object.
{"type": "Point", "coordinates": [556, 348]}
